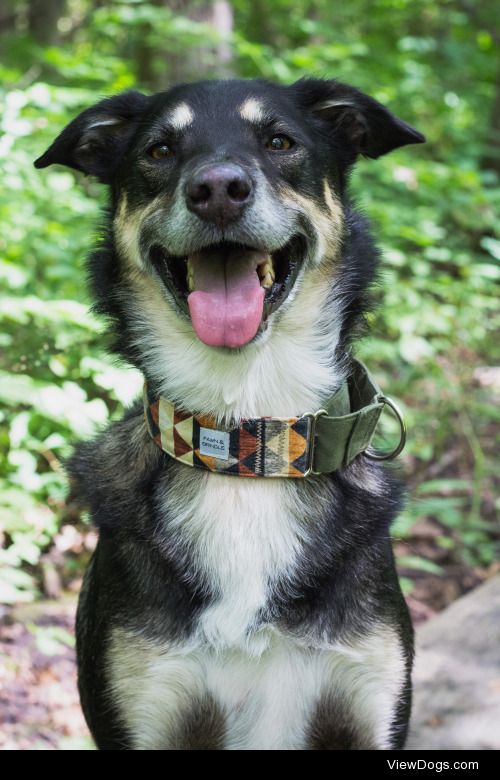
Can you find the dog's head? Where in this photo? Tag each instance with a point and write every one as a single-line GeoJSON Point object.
{"type": "Point", "coordinates": [225, 193]}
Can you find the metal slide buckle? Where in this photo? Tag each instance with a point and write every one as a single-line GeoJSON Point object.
{"type": "Point", "coordinates": [313, 416]}
{"type": "Point", "coordinates": [402, 439]}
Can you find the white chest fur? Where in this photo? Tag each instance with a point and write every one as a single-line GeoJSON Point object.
{"type": "Point", "coordinates": [239, 537]}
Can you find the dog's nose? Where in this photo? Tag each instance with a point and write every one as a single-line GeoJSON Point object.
{"type": "Point", "coordinates": [219, 193]}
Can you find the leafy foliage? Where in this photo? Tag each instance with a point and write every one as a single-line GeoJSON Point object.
{"type": "Point", "coordinates": [435, 207]}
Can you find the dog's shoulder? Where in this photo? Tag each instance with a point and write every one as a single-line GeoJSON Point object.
{"type": "Point", "coordinates": [115, 469]}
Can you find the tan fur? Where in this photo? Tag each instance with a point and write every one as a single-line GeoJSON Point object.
{"type": "Point", "coordinates": [181, 117]}
{"type": "Point", "coordinates": [252, 110]}
{"type": "Point", "coordinates": [328, 222]}
{"type": "Point", "coordinates": [127, 228]}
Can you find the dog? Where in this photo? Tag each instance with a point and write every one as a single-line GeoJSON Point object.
{"type": "Point", "coordinates": [243, 593]}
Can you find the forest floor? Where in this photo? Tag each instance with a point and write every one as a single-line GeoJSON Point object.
{"type": "Point", "coordinates": [39, 708]}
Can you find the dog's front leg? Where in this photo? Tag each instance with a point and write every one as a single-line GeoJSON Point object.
{"type": "Point", "coordinates": [160, 695]}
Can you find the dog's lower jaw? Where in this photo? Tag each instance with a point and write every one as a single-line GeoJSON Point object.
{"type": "Point", "coordinates": [287, 370]}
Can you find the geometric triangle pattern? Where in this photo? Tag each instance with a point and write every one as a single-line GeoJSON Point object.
{"type": "Point", "coordinates": [259, 447]}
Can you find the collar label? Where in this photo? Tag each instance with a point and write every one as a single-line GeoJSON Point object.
{"type": "Point", "coordinates": [214, 443]}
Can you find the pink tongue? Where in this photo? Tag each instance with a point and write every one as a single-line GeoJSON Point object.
{"type": "Point", "coordinates": [226, 305]}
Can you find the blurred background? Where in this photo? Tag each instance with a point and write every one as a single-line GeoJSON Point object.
{"type": "Point", "coordinates": [434, 344]}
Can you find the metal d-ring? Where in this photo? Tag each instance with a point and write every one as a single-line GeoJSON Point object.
{"type": "Point", "coordinates": [313, 416]}
{"type": "Point", "coordinates": [402, 439]}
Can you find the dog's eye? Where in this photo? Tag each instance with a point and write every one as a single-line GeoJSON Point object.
{"type": "Point", "coordinates": [279, 143]}
{"type": "Point", "coordinates": [160, 151]}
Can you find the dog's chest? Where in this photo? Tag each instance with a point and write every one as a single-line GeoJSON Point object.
{"type": "Point", "coordinates": [237, 538]}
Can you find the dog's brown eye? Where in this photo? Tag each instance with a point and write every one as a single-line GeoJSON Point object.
{"type": "Point", "coordinates": [160, 151]}
{"type": "Point", "coordinates": [279, 143]}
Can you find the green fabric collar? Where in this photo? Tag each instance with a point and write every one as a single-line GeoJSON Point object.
{"type": "Point", "coordinates": [314, 443]}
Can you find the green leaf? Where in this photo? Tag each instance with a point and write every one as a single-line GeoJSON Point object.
{"type": "Point", "coordinates": [419, 564]}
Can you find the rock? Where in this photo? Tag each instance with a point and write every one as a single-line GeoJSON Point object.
{"type": "Point", "coordinates": [457, 676]}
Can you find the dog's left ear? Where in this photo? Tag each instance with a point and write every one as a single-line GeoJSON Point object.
{"type": "Point", "coordinates": [365, 124]}
{"type": "Point", "coordinates": [95, 141]}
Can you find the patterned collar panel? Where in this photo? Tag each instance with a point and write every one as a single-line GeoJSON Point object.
{"type": "Point", "coordinates": [260, 447]}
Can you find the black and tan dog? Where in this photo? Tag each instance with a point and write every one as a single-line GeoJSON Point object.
{"type": "Point", "coordinates": [239, 599]}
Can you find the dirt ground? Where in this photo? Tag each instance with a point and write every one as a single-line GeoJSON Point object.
{"type": "Point", "coordinates": [39, 708]}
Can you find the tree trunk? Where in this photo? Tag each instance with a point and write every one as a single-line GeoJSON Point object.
{"type": "Point", "coordinates": [8, 17]}
{"type": "Point", "coordinates": [491, 157]}
{"type": "Point", "coordinates": [223, 21]}
{"type": "Point", "coordinates": [156, 68]}
{"type": "Point", "coordinates": [43, 16]}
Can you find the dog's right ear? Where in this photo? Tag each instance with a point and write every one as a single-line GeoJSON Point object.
{"type": "Point", "coordinates": [96, 140]}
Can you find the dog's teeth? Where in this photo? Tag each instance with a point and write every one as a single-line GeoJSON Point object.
{"type": "Point", "coordinates": [190, 276]}
{"type": "Point", "coordinates": [267, 281]}
{"type": "Point", "coordinates": [265, 270]}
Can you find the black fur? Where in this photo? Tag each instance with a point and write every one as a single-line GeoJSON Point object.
{"type": "Point", "coordinates": [347, 581]}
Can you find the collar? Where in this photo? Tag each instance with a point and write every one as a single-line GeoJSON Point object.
{"type": "Point", "coordinates": [314, 443]}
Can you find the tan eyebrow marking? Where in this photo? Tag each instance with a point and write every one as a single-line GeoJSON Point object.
{"type": "Point", "coordinates": [181, 117]}
{"type": "Point", "coordinates": [252, 110]}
